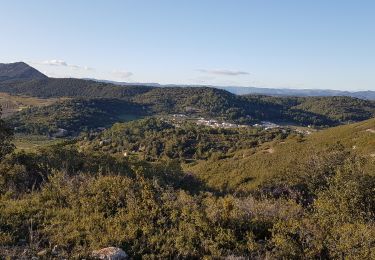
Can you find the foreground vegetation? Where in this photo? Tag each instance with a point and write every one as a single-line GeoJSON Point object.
{"type": "Point", "coordinates": [68, 199]}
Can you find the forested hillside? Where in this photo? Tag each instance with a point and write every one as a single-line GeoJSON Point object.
{"type": "Point", "coordinates": [195, 102]}
{"type": "Point", "coordinates": [317, 109]}
{"type": "Point", "coordinates": [74, 116]}
{"type": "Point", "coordinates": [70, 87]}
{"type": "Point", "coordinates": [154, 139]}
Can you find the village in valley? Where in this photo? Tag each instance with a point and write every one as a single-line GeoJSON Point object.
{"type": "Point", "coordinates": [178, 119]}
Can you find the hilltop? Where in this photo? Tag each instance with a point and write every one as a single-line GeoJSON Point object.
{"type": "Point", "coordinates": [19, 71]}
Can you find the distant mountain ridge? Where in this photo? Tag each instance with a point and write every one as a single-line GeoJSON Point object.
{"type": "Point", "coordinates": [300, 92]}
{"type": "Point", "coordinates": [367, 94]}
{"type": "Point", "coordinates": [36, 83]}
{"type": "Point", "coordinates": [19, 71]}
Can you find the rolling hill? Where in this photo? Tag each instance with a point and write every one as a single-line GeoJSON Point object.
{"type": "Point", "coordinates": [74, 116]}
{"type": "Point", "coordinates": [70, 87]}
{"type": "Point", "coordinates": [370, 95]}
{"type": "Point", "coordinates": [193, 102]}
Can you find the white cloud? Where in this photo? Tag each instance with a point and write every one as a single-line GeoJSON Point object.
{"type": "Point", "coordinates": [62, 63]}
{"type": "Point", "coordinates": [122, 74]}
{"type": "Point", "coordinates": [61, 68]}
{"type": "Point", "coordinates": [224, 72]}
{"type": "Point", "coordinates": [54, 63]}
{"type": "Point", "coordinates": [87, 68]}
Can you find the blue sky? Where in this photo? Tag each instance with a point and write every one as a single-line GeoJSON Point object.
{"type": "Point", "coordinates": [261, 43]}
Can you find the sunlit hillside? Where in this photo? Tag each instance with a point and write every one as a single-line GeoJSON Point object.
{"type": "Point", "coordinates": [251, 167]}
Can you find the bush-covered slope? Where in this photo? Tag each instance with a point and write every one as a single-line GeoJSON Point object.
{"type": "Point", "coordinates": [61, 202]}
{"type": "Point", "coordinates": [154, 139]}
{"type": "Point", "coordinates": [74, 116]}
{"type": "Point", "coordinates": [249, 168]}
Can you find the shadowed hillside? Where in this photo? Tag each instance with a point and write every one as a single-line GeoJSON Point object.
{"type": "Point", "coordinates": [74, 116]}
{"type": "Point", "coordinates": [18, 71]}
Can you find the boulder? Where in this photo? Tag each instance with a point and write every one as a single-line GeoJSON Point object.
{"type": "Point", "coordinates": [110, 253]}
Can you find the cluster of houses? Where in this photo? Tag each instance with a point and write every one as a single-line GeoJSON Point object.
{"type": "Point", "coordinates": [266, 125]}
{"type": "Point", "coordinates": [61, 132]}
{"type": "Point", "coordinates": [216, 124]}
{"type": "Point", "coordinates": [303, 132]}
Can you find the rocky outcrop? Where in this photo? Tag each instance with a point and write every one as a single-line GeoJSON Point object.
{"type": "Point", "coordinates": [110, 253]}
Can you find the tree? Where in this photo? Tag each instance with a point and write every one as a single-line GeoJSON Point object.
{"type": "Point", "coordinates": [6, 135]}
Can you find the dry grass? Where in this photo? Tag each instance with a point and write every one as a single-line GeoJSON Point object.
{"type": "Point", "coordinates": [31, 143]}
{"type": "Point", "coordinates": [13, 103]}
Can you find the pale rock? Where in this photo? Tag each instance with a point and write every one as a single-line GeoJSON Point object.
{"type": "Point", "coordinates": [110, 253]}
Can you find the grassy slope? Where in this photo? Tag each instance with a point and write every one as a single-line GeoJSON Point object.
{"type": "Point", "coordinates": [31, 143]}
{"type": "Point", "coordinates": [13, 103]}
{"type": "Point", "coordinates": [250, 167]}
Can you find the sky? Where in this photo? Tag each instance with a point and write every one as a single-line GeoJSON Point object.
{"type": "Point", "coordinates": [303, 44]}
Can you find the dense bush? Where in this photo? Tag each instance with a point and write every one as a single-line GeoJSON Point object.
{"type": "Point", "coordinates": [152, 139]}
{"type": "Point", "coordinates": [81, 202]}
{"type": "Point", "coordinates": [6, 135]}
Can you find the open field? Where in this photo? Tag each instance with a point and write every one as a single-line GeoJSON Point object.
{"type": "Point", "coordinates": [14, 103]}
{"type": "Point", "coordinates": [30, 143]}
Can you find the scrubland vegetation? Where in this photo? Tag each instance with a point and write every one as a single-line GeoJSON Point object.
{"type": "Point", "coordinates": [192, 192]}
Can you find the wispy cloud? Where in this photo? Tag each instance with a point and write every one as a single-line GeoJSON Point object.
{"type": "Point", "coordinates": [62, 63]}
{"type": "Point", "coordinates": [54, 63]}
{"type": "Point", "coordinates": [224, 72]}
{"type": "Point", "coordinates": [61, 68]}
{"type": "Point", "coordinates": [122, 74]}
